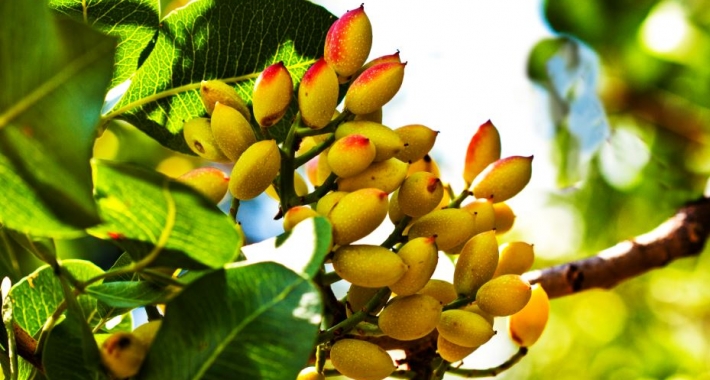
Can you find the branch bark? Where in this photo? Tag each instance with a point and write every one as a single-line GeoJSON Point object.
{"type": "Point", "coordinates": [683, 235]}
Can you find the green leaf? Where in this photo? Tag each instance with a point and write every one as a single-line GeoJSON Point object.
{"type": "Point", "coordinates": [145, 212]}
{"type": "Point", "coordinates": [302, 250]}
{"type": "Point", "coordinates": [255, 321]}
{"type": "Point", "coordinates": [133, 22]}
{"type": "Point", "coordinates": [39, 294]}
{"type": "Point", "coordinates": [41, 248]}
{"type": "Point", "coordinates": [71, 350]}
{"type": "Point", "coordinates": [54, 74]}
{"type": "Point", "coordinates": [106, 311]}
{"type": "Point", "coordinates": [129, 294]}
{"type": "Point", "coordinates": [232, 40]}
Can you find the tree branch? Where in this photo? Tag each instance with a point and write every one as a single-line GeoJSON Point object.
{"type": "Point", "coordinates": [682, 235]}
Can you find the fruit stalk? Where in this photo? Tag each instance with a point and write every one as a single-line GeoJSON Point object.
{"type": "Point", "coordinates": [349, 323]}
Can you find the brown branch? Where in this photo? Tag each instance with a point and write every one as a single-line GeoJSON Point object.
{"type": "Point", "coordinates": [682, 235]}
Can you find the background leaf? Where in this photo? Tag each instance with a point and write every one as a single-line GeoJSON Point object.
{"type": "Point", "coordinates": [54, 77]}
{"type": "Point", "coordinates": [9, 250]}
{"type": "Point", "coordinates": [133, 22]}
{"type": "Point", "coordinates": [302, 250]}
{"type": "Point", "coordinates": [254, 321]}
{"type": "Point", "coordinates": [140, 207]}
{"type": "Point", "coordinates": [568, 70]}
{"type": "Point", "coordinates": [219, 39]}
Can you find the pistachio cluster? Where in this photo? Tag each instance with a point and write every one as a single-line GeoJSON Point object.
{"type": "Point", "coordinates": [361, 173]}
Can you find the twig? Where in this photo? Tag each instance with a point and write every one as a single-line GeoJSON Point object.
{"type": "Point", "coordinates": [682, 235]}
{"type": "Point", "coordinates": [494, 371]}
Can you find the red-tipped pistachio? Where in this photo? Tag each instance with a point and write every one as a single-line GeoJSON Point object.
{"type": "Point", "coordinates": [464, 328]}
{"type": "Point", "coordinates": [357, 214]}
{"type": "Point", "coordinates": [516, 257]}
{"type": "Point", "coordinates": [210, 182]}
{"type": "Point", "coordinates": [527, 325]}
{"type": "Point", "coordinates": [504, 217]}
{"type": "Point", "coordinates": [410, 317]}
{"type": "Point", "coordinates": [358, 359]}
{"type": "Point", "coordinates": [370, 266]}
{"type": "Point", "coordinates": [272, 94]}
{"type": "Point", "coordinates": [375, 116]}
{"type": "Point", "coordinates": [443, 291]}
{"type": "Point", "coordinates": [232, 131]}
{"type": "Point", "coordinates": [386, 176]}
{"type": "Point", "coordinates": [213, 91]}
{"type": "Point", "coordinates": [451, 227]}
{"type": "Point", "coordinates": [476, 263]}
{"type": "Point", "coordinates": [387, 142]}
{"type": "Point", "coordinates": [421, 256]}
{"type": "Point", "coordinates": [374, 87]}
{"type": "Point", "coordinates": [348, 42]}
{"type": "Point", "coordinates": [318, 95]}
{"type": "Point", "coordinates": [452, 352]}
{"type": "Point", "coordinates": [382, 59]}
{"type": "Point", "coordinates": [419, 194]}
{"type": "Point", "coordinates": [504, 295]}
{"type": "Point", "coordinates": [503, 179]}
{"type": "Point", "coordinates": [483, 210]}
{"type": "Point", "coordinates": [255, 170]}
{"type": "Point", "coordinates": [351, 155]}
{"type": "Point", "coordinates": [328, 201]}
{"type": "Point", "coordinates": [296, 215]}
{"type": "Point", "coordinates": [483, 149]}
{"type": "Point", "coordinates": [418, 141]}
{"type": "Point", "coordinates": [198, 136]}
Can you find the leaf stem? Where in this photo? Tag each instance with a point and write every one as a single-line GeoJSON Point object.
{"type": "Point", "coordinates": [494, 371]}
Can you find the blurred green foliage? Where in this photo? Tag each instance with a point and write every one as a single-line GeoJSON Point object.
{"type": "Point", "coordinates": [654, 86]}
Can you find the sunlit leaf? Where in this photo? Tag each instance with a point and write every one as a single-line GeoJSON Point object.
{"type": "Point", "coordinates": [255, 321]}
{"type": "Point", "coordinates": [133, 22]}
{"type": "Point", "coordinates": [145, 212]}
{"type": "Point", "coordinates": [54, 76]}
{"type": "Point", "coordinates": [219, 39]}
